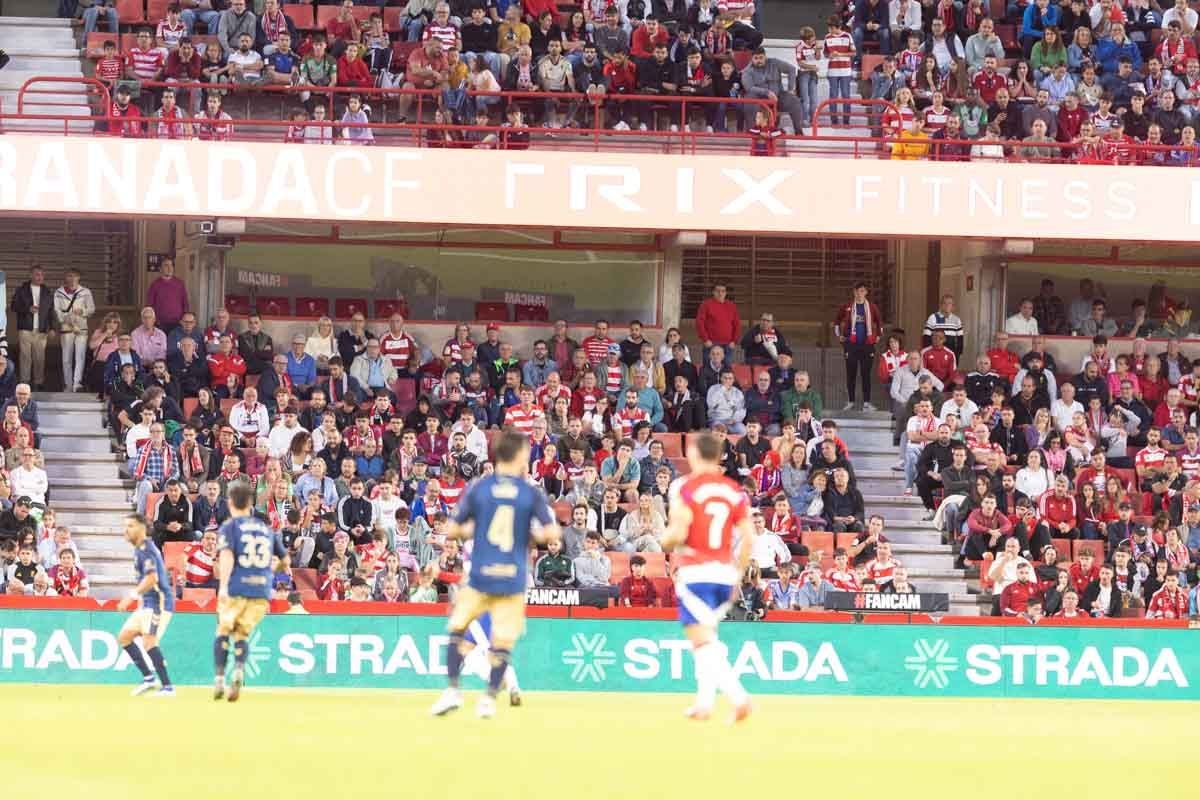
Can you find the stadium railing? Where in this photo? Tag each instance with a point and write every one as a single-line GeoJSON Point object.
{"type": "Point", "coordinates": [591, 135]}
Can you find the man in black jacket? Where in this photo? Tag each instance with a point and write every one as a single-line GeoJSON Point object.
{"type": "Point", "coordinates": [173, 522]}
{"type": "Point", "coordinates": [255, 346]}
{"type": "Point", "coordinates": [188, 367]}
{"type": "Point", "coordinates": [936, 456]}
{"type": "Point", "coordinates": [354, 514]}
{"type": "Point", "coordinates": [33, 304]}
{"type": "Point", "coordinates": [656, 75]}
{"type": "Point", "coordinates": [1010, 438]}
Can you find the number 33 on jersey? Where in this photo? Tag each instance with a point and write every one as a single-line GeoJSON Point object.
{"type": "Point", "coordinates": [253, 544]}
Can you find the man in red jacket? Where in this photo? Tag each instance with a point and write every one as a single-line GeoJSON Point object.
{"type": "Point", "coordinates": [1004, 362]}
{"type": "Point", "coordinates": [1018, 594]}
{"type": "Point", "coordinates": [718, 323]}
{"type": "Point", "coordinates": [1058, 513]}
{"type": "Point", "coordinates": [939, 359]}
{"type": "Point", "coordinates": [857, 327]}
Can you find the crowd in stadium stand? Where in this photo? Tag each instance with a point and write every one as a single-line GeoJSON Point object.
{"type": "Point", "coordinates": [1054, 82]}
{"type": "Point", "coordinates": [1076, 485]}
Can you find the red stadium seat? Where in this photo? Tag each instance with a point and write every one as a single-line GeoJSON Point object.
{"type": "Point", "coordinates": [391, 19]}
{"type": "Point", "coordinates": [252, 380]}
{"type": "Point", "coordinates": [491, 311]}
{"type": "Point", "coordinates": [401, 51]}
{"type": "Point", "coordinates": [204, 41]}
{"type": "Point", "coordinates": [656, 564]}
{"type": "Point", "coordinates": [312, 306]}
{"type": "Point", "coordinates": [305, 579]}
{"type": "Point", "coordinates": [996, 9]}
{"type": "Point", "coordinates": [273, 306]}
{"type": "Point", "coordinates": [131, 11]}
{"type": "Point", "coordinates": [325, 14]}
{"type": "Point", "coordinates": [742, 374]}
{"type": "Point", "coordinates": [227, 404]}
{"type": "Point", "coordinates": [741, 58]}
{"type": "Point", "coordinates": [156, 11]}
{"type": "Point", "coordinates": [237, 304]}
{"type": "Point", "coordinates": [869, 62]}
{"type": "Point", "coordinates": [385, 308]}
{"type": "Point", "coordinates": [672, 444]}
{"type": "Point", "coordinates": [665, 589]}
{"type": "Point", "coordinates": [347, 307]}
{"type": "Point", "coordinates": [818, 540]}
{"type": "Point", "coordinates": [96, 40]}
{"type": "Point", "coordinates": [1008, 37]}
{"type": "Point", "coordinates": [173, 551]}
{"type": "Point", "coordinates": [523, 313]}
{"type": "Point", "coordinates": [562, 512]}
{"type": "Point", "coordinates": [620, 566]}
{"type": "Point", "coordinates": [189, 406]}
{"type": "Point", "coordinates": [406, 395]}
{"type": "Point", "coordinates": [1061, 546]}
{"type": "Point", "coordinates": [301, 14]}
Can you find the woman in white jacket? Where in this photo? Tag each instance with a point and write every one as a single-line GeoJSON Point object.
{"type": "Point", "coordinates": [73, 305]}
{"type": "Point", "coordinates": [1034, 478]}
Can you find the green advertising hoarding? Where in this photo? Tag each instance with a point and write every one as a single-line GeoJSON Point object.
{"type": "Point", "coordinates": [407, 652]}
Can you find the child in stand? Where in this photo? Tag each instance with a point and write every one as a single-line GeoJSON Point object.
{"type": "Point", "coordinates": [109, 67]}
{"type": "Point", "coordinates": [171, 29]}
{"type": "Point", "coordinates": [764, 134]}
{"type": "Point", "coordinates": [354, 122]}
{"type": "Point", "coordinates": [808, 57]}
{"type": "Point", "coordinates": [839, 50]}
{"type": "Point", "coordinates": [909, 62]}
{"type": "Point", "coordinates": [333, 587]}
{"type": "Point", "coordinates": [318, 134]}
{"type": "Point", "coordinates": [378, 45]}
{"type": "Point", "coordinates": [371, 557]}
{"type": "Point", "coordinates": [425, 591]}
{"type": "Point", "coordinates": [295, 131]}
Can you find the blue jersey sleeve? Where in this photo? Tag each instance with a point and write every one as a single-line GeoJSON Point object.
{"type": "Point", "coordinates": [465, 511]}
{"type": "Point", "coordinates": [280, 550]}
{"type": "Point", "coordinates": [541, 508]}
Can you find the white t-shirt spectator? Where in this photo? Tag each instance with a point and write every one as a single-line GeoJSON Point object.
{"type": "Point", "coordinates": [1062, 413]}
{"type": "Point", "coordinates": [280, 439]}
{"type": "Point", "coordinates": [1017, 325]}
{"type": "Point", "coordinates": [250, 62]}
{"type": "Point", "coordinates": [1189, 18]}
{"type": "Point", "coordinates": [964, 411]}
{"type": "Point", "coordinates": [250, 421]}
{"type": "Point", "coordinates": [137, 436]}
{"type": "Point", "coordinates": [31, 483]}
{"type": "Point", "coordinates": [769, 550]}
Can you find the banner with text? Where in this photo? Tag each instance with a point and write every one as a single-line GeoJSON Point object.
{"type": "Point", "coordinates": [618, 190]}
{"type": "Point", "coordinates": [407, 652]}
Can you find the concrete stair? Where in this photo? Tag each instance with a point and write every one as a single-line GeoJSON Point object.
{"type": "Point", "coordinates": [41, 47]}
{"type": "Point", "coordinates": [86, 489]}
{"type": "Point", "coordinates": [915, 543]}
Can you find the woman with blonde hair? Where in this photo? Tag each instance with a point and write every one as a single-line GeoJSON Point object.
{"type": "Point", "coordinates": [101, 343]}
{"type": "Point", "coordinates": [321, 345]}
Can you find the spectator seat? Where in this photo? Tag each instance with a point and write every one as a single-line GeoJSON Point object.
{"type": "Point", "coordinates": [95, 43]}
{"type": "Point", "coordinates": [997, 10]}
{"type": "Point", "coordinates": [406, 395]}
{"type": "Point", "coordinates": [252, 380]}
{"type": "Point", "coordinates": [156, 10]}
{"type": "Point", "coordinates": [620, 566]}
{"type": "Point", "coordinates": [401, 52]}
{"type": "Point", "coordinates": [237, 304]}
{"type": "Point", "coordinates": [189, 406]}
{"type": "Point", "coordinates": [526, 313]}
{"type": "Point", "coordinates": [741, 58]}
{"type": "Point", "coordinates": [491, 311]}
{"type": "Point", "coordinates": [562, 512]}
{"type": "Point", "coordinates": [312, 306]}
{"type": "Point", "coordinates": [656, 564]}
{"type": "Point", "coordinates": [346, 307]}
{"type": "Point", "coordinates": [869, 62]}
{"type": "Point", "coordinates": [273, 306]}
{"type": "Point", "coordinates": [391, 19]}
{"type": "Point", "coordinates": [818, 540]}
{"type": "Point", "coordinates": [385, 308]}
{"type": "Point", "coordinates": [201, 597]}
{"type": "Point", "coordinates": [152, 501]}
{"type": "Point", "coordinates": [1061, 545]}
{"type": "Point", "coordinates": [227, 404]}
{"type": "Point", "coordinates": [304, 579]}
{"type": "Point", "coordinates": [665, 589]}
{"type": "Point", "coordinates": [130, 11]}
{"type": "Point", "coordinates": [742, 374]}
{"type": "Point", "coordinates": [301, 14]}
{"type": "Point", "coordinates": [172, 552]}
{"type": "Point", "coordinates": [682, 467]}
{"type": "Point", "coordinates": [1008, 37]}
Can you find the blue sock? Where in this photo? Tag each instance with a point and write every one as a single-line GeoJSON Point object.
{"type": "Point", "coordinates": [454, 658]}
{"type": "Point", "coordinates": [240, 649]}
{"type": "Point", "coordinates": [500, 659]}
{"type": "Point", "coordinates": [160, 666]}
{"type": "Point", "coordinates": [220, 655]}
{"type": "Point", "coordinates": [135, 655]}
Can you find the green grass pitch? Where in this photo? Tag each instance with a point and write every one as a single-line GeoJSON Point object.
{"type": "Point", "coordinates": [97, 742]}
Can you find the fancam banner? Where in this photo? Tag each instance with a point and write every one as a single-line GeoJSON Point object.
{"type": "Point", "coordinates": [610, 190]}
{"type": "Point", "coordinates": [887, 601]}
{"type": "Point", "coordinates": [407, 652]}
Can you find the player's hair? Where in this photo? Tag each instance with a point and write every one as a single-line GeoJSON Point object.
{"type": "Point", "coordinates": [140, 519]}
{"type": "Point", "coordinates": [240, 496]}
{"type": "Point", "coordinates": [510, 446]}
{"type": "Point", "coordinates": [708, 447]}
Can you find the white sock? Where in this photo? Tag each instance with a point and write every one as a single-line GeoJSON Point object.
{"type": "Point", "coordinates": [726, 680]}
{"type": "Point", "coordinates": [510, 679]}
{"type": "Point", "coordinates": [706, 675]}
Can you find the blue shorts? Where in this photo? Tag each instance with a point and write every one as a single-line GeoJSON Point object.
{"type": "Point", "coordinates": [703, 603]}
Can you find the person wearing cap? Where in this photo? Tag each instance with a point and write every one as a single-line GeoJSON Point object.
{"type": "Point", "coordinates": [15, 518]}
{"type": "Point", "coordinates": [301, 368]}
{"type": "Point", "coordinates": [288, 425]}
{"type": "Point", "coordinates": [372, 371]}
{"type": "Point", "coordinates": [122, 108]}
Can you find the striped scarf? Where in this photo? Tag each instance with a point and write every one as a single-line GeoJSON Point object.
{"type": "Point", "coordinates": [166, 461]}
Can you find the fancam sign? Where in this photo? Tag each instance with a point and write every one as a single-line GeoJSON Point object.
{"type": "Point", "coordinates": [639, 655]}
{"type": "Point", "coordinates": [611, 190]}
{"type": "Point", "coordinates": [881, 601]}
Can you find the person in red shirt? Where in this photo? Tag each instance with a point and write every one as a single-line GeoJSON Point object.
{"type": "Point", "coordinates": [1169, 602]}
{"type": "Point", "coordinates": [341, 30]}
{"type": "Point", "coordinates": [858, 326]}
{"type": "Point", "coordinates": [1004, 362]}
{"type": "Point", "coordinates": [718, 322]}
{"type": "Point", "coordinates": [939, 359]}
{"type": "Point", "coordinates": [68, 579]}
{"type": "Point", "coordinates": [648, 36]}
{"type": "Point", "coordinates": [226, 369]}
{"type": "Point", "coordinates": [1070, 118]}
{"type": "Point", "coordinates": [842, 577]}
{"type": "Point", "coordinates": [636, 590]}
{"type": "Point", "coordinates": [352, 70]}
{"type": "Point", "coordinates": [621, 74]}
{"type": "Point", "coordinates": [1084, 571]}
{"type": "Point", "coordinates": [596, 346]}
{"type": "Point", "coordinates": [122, 108]}
{"type": "Point", "coordinates": [988, 81]}
{"type": "Point", "coordinates": [1058, 512]}
{"type": "Point", "coordinates": [1175, 50]}
{"type": "Point", "coordinates": [1017, 596]}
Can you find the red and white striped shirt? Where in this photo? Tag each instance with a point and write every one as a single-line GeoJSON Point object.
{"type": "Point", "coordinates": [882, 572]}
{"type": "Point", "coordinates": [910, 61]}
{"type": "Point", "coordinates": [146, 64]}
{"type": "Point", "coordinates": [166, 129]}
{"type": "Point", "coordinates": [808, 53]}
{"type": "Point", "coordinates": [1189, 462]}
{"type": "Point", "coordinates": [446, 34]}
{"type": "Point", "coordinates": [213, 131]}
{"type": "Point", "coordinates": [596, 349]}
{"type": "Point", "coordinates": [1189, 386]}
{"type": "Point", "coordinates": [892, 361]}
{"type": "Point", "coordinates": [735, 6]}
{"type": "Point", "coordinates": [839, 49]}
{"type": "Point", "coordinates": [628, 417]}
{"type": "Point", "coordinates": [843, 581]}
{"type": "Point", "coordinates": [1149, 459]}
{"type": "Point", "coordinates": [546, 401]}
{"type": "Point", "coordinates": [613, 378]}
{"type": "Point", "coordinates": [583, 401]}
{"type": "Point", "coordinates": [523, 419]}
{"type": "Point", "coordinates": [68, 584]}
{"type": "Point", "coordinates": [452, 492]}
{"type": "Point", "coordinates": [935, 118]}
{"type": "Point", "coordinates": [397, 348]}
{"type": "Point", "coordinates": [1167, 605]}
{"type": "Point", "coordinates": [199, 565]}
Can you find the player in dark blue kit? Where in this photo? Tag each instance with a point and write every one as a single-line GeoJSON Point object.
{"type": "Point", "coordinates": [499, 513]}
{"type": "Point", "coordinates": [157, 603]}
{"type": "Point", "coordinates": [249, 553]}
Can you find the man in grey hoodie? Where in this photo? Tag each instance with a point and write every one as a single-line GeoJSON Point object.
{"type": "Point", "coordinates": [235, 21]}
{"type": "Point", "coordinates": [763, 78]}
